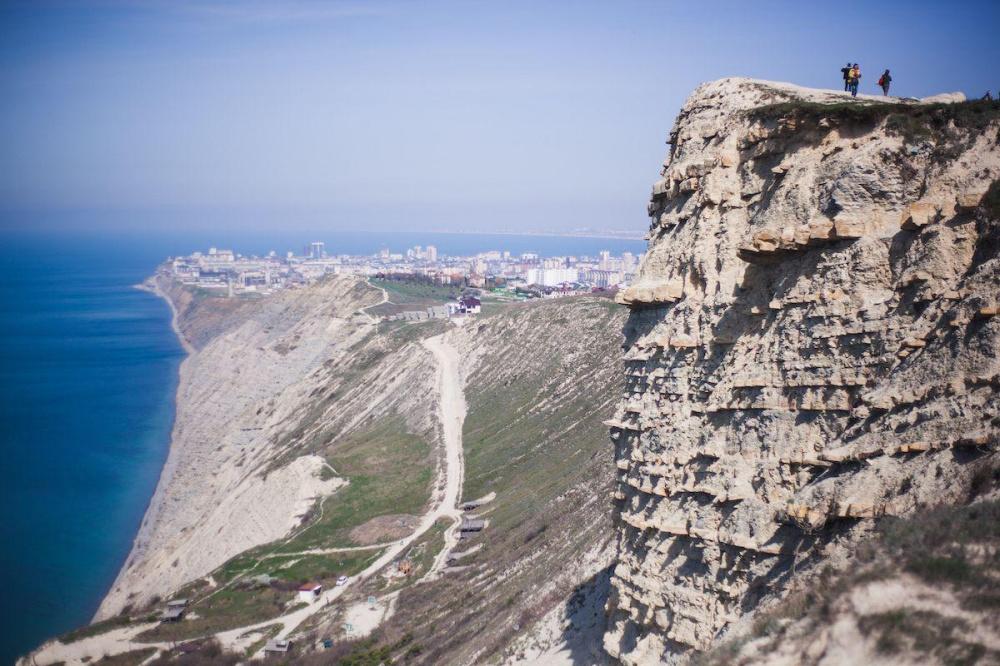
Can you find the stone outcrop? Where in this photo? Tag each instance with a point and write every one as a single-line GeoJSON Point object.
{"type": "Point", "coordinates": [812, 345]}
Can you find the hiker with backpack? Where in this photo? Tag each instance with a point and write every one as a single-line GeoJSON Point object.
{"type": "Point", "coordinates": [884, 82]}
{"type": "Point", "coordinates": [846, 72]}
{"type": "Point", "coordinates": [855, 75]}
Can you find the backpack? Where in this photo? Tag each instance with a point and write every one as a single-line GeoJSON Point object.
{"type": "Point", "coordinates": [881, 80]}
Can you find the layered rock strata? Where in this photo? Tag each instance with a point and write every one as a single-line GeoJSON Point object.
{"type": "Point", "coordinates": [812, 344]}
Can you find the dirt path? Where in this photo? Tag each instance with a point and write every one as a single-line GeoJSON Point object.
{"type": "Point", "coordinates": [451, 414]}
{"type": "Point", "coordinates": [364, 310]}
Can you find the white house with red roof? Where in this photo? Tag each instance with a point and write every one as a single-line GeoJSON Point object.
{"type": "Point", "coordinates": [310, 592]}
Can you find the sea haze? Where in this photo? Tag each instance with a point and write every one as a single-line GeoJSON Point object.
{"type": "Point", "coordinates": [88, 372]}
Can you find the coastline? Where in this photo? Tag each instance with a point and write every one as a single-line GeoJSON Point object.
{"type": "Point", "coordinates": [152, 286]}
{"type": "Point", "coordinates": [155, 505]}
{"type": "Point", "coordinates": [210, 501]}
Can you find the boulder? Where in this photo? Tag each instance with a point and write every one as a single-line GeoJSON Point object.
{"type": "Point", "coordinates": [848, 227]}
{"type": "Point", "coordinates": [970, 200]}
{"type": "Point", "coordinates": [919, 214]}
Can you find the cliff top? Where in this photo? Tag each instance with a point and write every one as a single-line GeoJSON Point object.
{"type": "Point", "coordinates": [744, 93]}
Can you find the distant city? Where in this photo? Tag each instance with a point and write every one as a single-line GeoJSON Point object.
{"type": "Point", "coordinates": [527, 274]}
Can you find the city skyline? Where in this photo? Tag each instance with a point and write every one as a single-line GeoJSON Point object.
{"type": "Point", "coordinates": [223, 269]}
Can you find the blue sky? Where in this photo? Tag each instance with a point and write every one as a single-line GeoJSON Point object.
{"type": "Point", "coordinates": [409, 115]}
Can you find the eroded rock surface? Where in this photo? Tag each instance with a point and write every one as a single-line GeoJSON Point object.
{"type": "Point", "coordinates": [812, 344]}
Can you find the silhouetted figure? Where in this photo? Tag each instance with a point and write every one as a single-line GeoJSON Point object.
{"type": "Point", "coordinates": [988, 97]}
{"type": "Point", "coordinates": [884, 82]}
{"type": "Point", "coordinates": [846, 72]}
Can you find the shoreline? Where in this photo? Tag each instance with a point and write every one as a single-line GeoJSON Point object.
{"type": "Point", "coordinates": [151, 286]}
{"type": "Point", "coordinates": [155, 503]}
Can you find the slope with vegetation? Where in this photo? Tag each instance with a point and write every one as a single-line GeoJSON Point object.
{"type": "Point", "coordinates": [359, 399]}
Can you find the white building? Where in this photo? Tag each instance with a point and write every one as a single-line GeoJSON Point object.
{"type": "Point", "coordinates": [551, 277]}
{"type": "Point", "coordinates": [310, 592]}
{"type": "Point", "coordinates": [603, 278]}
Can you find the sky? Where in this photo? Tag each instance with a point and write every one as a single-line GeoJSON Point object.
{"type": "Point", "coordinates": [394, 115]}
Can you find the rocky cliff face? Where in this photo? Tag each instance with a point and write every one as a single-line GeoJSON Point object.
{"type": "Point", "coordinates": [812, 345]}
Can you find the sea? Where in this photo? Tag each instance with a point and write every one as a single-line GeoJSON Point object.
{"type": "Point", "coordinates": [88, 373]}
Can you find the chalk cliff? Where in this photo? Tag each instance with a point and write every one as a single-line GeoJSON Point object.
{"type": "Point", "coordinates": [812, 345]}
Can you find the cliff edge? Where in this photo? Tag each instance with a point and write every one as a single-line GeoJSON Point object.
{"type": "Point", "coordinates": [812, 347]}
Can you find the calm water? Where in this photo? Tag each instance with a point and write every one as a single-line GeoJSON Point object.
{"type": "Point", "coordinates": [88, 369]}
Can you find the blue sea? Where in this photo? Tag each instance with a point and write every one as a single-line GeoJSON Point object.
{"type": "Point", "coordinates": [88, 372]}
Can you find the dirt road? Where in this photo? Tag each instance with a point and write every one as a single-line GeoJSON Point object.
{"type": "Point", "coordinates": [451, 415]}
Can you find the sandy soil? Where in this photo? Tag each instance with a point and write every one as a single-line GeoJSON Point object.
{"type": "Point", "coordinates": [92, 648]}
{"type": "Point", "coordinates": [384, 528]}
{"type": "Point", "coordinates": [365, 618]}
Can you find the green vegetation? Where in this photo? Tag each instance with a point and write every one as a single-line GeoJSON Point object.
{"type": "Point", "coordinates": [924, 632]}
{"type": "Point", "coordinates": [300, 569]}
{"type": "Point", "coordinates": [937, 549]}
{"type": "Point", "coordinates": [949, 128]}
{"type": "Point", "coordinates": [532, 434]}
{"type": "Point", "coordinates": [907, 120]}
{"type": "Point", "coordinates": [229, 608]}
{"type": "Point", "coordinates": [376, 650]}
{"type": "Point", "coordinates": [410, 294]}
{"type": "Point", "coordinates": [402, 332]}
{"type": "Point", "coordinates": [505, 428]}
{"type": "Point", "coordinates": [367, 459]}
{"type": "Point", "coordinates": [410, 291]}
{"type": "Point", "coordinates": [201, 653]}
{"type": "Point", "coordinates": [389, 472]}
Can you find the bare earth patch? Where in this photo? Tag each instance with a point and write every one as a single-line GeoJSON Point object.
{"type": "Point", "coordinates": [384, 528]}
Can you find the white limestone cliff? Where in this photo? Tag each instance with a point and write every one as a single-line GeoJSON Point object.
{"type": "Point", "coordinates": [812, 344]}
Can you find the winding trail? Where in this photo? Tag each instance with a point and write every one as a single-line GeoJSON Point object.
{"type": "Point", "coordinates": [451, 414]}
{"type": "Point", "coordinates": [364, 310]}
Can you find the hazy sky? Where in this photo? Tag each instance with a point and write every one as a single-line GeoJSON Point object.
{"type": "Point", "coordinates": [410, 115]}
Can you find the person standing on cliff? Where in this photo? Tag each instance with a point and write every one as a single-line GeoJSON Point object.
{"type": "Point", "coordinates": [846, 72]}
{"type": "Point", "coordinates": [884, 82]}
{"type": "Point", "coordinates": [855, 79]}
